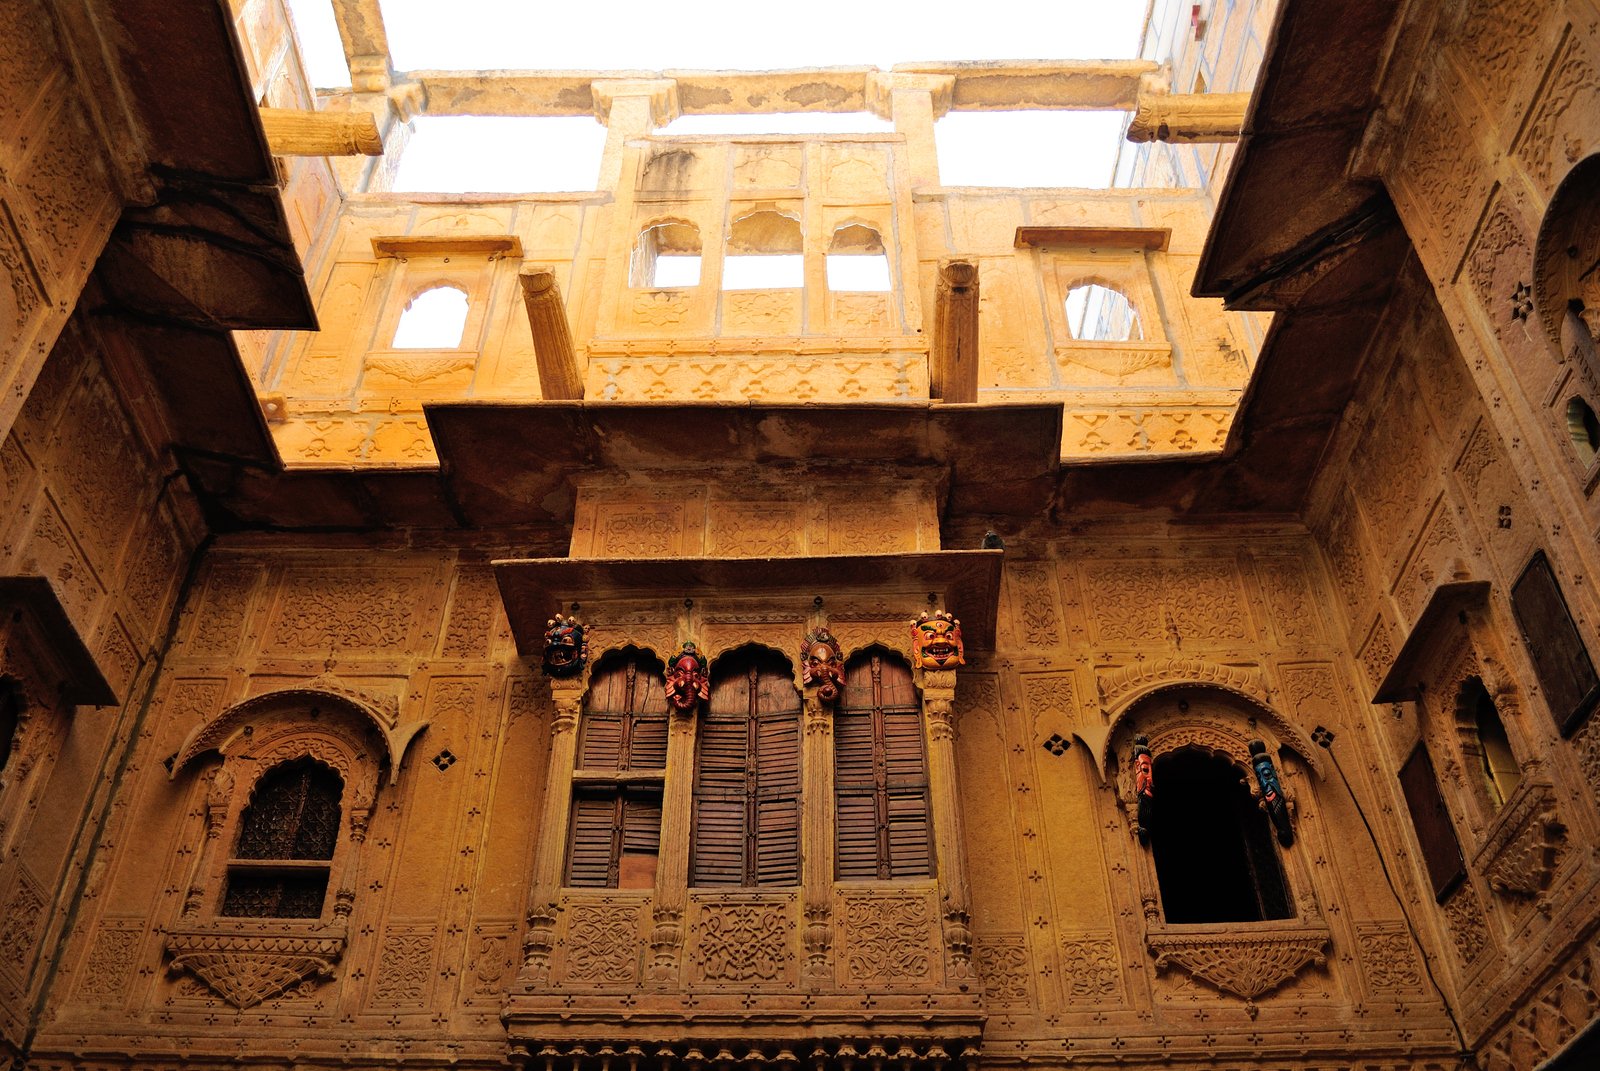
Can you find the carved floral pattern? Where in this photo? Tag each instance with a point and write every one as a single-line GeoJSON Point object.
{"type": "Point", "coordinates": [1002, 963]}
{"type": "Point", "coordinates": [603, 943]}
{"type": "Point", "coordinates": [1388, 957]}
{"type": "Point", "coordinates": [744, 941]}
{"type": "Point", "coordinates": [1463, 916]}
{"type": "Point", "coordinates": [886, 940]}
{"type": "Point", "coordinates": [1247, 964]}
{"type": "Point", "coordinates": [1090, 970]}
{"type": "Point", "coordinates": [247, 968]}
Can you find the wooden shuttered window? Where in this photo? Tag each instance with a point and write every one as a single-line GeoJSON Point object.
{"type": "Point", "coordinates": [287, 837]}
{"type": "Point", "coordinates": [1441, 851]}
{"type": "Point", "coordinates": [880, 775]}
{"type": "Point", "coordinates": [614, 837]}
{"type": "Point", "coordinates": [1560, 659]}
{"type": "Point", "coordinates": [747, 777]}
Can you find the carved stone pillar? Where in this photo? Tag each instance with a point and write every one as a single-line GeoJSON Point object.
{"type": "Point", "coordinates": [630, 108]}
{"type": "Point", "coordinates": [672, 867]}
{"type": "Point", "coordinates": [816, 837]}
{"type": "Point", "coordinates": [913, 102]}
{"type": "Point", "coordinates": [550, 852]}
{"type": "Point", "coordinates": [938, 710]}
{"type": "Point", "coordinates": [559, 376]}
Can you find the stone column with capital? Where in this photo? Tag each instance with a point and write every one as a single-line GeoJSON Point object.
{"type": "Point", "coordinates": [672, 867]}
{"type": "Point", "coordinates": [938, 688]}
{"type": "Point", "coordinates": [913, 102]}
{"type": "Point", "coordinates": [550, 854]}
{"type": "Point", "coordinates": [629, 108]}
{"type": "Point", "coordinates": [816, 836]}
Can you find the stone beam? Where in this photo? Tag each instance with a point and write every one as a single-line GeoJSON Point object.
{"type": "Point", "coordinates": [291, 132]}
{"type": "Point", "coordinates": [953, 364]}
{"type": "Point", "coordinates": [1188, 117]}
{"type": "Point", "coordinates": [1000, 86]}
{"type": "Point", "coordinates": [559, 375]}
{"type": "Point", "coordinates": [366, 44]}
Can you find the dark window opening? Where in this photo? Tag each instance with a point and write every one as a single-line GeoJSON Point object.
{"type": "Point", "coordinates": [880, 774]}
{"type": "Point", "coordinates": [614, 840]}
{"type": "Point", "coordinates": [1560, 659]}
{"type": "Point", "coordinates": [10, 719]}
{"type": "Point", "coordinates": [1436, 836]}
{"type": "Point", "coordinates": [1214, 854]}
{"type": "Point", "coordinates": [747, 776]}
{"type": "Point", "coordinates": [287, 835]}
{"type": "Point", "coordinates": [1497, 763]}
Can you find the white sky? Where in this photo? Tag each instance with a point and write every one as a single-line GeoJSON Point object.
{"type": "Point", "coordinates": [501, 155]}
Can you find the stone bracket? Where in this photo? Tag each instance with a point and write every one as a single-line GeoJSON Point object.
{"type": "Point", "coordinates": [247, 968]}
{"type": "Point", "coordinates": [1247, 962]}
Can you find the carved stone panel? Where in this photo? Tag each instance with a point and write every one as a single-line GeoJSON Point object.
{"type": "Point", "coordinates": [743, 941]}
{"type": "Point", "coordinates": [1245, 962]}
{"type": "Point", "coordinates": [1388, 959]}
{"type": "Point", "coordinates": [888, 940]}
{"type": "Point", "coordinates": [247, 966]}
{"type": "Point", "coordinates": [1091, 971]}
{"type": "Point", "coordinates": [1002, 962]}
{"type": "Point", "coordinates": [602, 941]}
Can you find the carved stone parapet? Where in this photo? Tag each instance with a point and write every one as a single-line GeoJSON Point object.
{"type": "Point", "coordinates": [245, 968]}
{"type": "Point", "coordinates": [1188, 117]}
{"type": "Point", "coordinates": [1521, 851]}
{"type": "Point", "coordinates": [1247, 962]}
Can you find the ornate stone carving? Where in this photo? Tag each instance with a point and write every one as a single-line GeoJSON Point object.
{"type": "Point", "coordinates": [746, 942]}
{"type": "Point", "coordinates": [1002, 963]}
{"type": "Point", "coordinates": [1091, 972]}
{"type": "Point", "coordinates": [472, 614]}
{"type": "Point", "coordinates": [1246, 963]}
{"type": "Point", "coordinates": [336, 611]}
{"type": "Point", "coordinates": [1523, 848]}
{"type": "Point", "coordinates": [1463, 916]}
{"type": "Point", "coordinates": [1556, 137]}
{"type": "Point", "coordinates": [246, 968]}
{"type": "Point", "coordinates": [112, 960]}
{"type": "Point", "coordinates": [1388, 958]}
{"type": "Point", "coordinates": [602, 943]}
{"type": "Point", "coordinates": [1121, 685]}
{"type": "Point", "coordinates": [936, 641]}
{"type": "Point", "coordinates": [1034, 602]}
{"type": "Point", "coordinates": [886, 940]}
{"type": "Point", "coordinates": [24, 915]}
{"type": "Point", "coordinates": [404, 967]}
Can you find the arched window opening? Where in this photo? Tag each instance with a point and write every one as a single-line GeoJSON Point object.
{"type": "Point", "coordinates": [1213, 847]}
{"type": "Point", "coordinates": [764, 253]}
{"type": "Point", "coordinates": [1584, 429]}
{"type": "Point", "coordinates": [10, 720]}
{"type": "Point", "coordinates": [615, 834]}
{"type": "Point", "coordinates": [880, 774]}
{"type": "Point", "coordinates": [857, 260]}
{"type": "Point", "coordinates": [287, 835]}
{"type": "Point", "coordinates": [1501, 774]}
{"type": "Point", "coordinates": [747, 775]}
{"type": "Point", "coordinates": [666, 257]}
{"type": "Point", "coordinates": [1099, 313]}
{"type": "Point", "coordinates": [433, 320]}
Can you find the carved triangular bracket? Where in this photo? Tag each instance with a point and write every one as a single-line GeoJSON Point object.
{"type": "Point", "coordinates": [1247, 963]}
{"type": "Point", "coordinates": [245, 969]}
{"type": "Point", "coordinates": [1522, 849]}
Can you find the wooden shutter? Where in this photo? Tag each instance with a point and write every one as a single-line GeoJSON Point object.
{"type": "Point", "coordinates": [1559, 656]}
{"type": "Point", "coordinates": [747, 778]}
{"type": "Point", "coordinates": [625, 719]}
{"type": "Point", "coordinates": [594, 845]}
{"type": "Point", "coordinates": [1441, 852]}
{"type": "Point", "coordinates": [880, 775]}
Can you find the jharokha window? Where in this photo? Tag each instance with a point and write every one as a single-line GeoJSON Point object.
{"type": "Point", "coordinates": [287, 835]}
{"type": "Point", "coordinates": [747, 775]}
{"type": "Point", "coordinates": [1213, 848]}
{"type": "Point", "coordinates": [880, 774]}
{"type": "Point", "coordinates": [622, 757]}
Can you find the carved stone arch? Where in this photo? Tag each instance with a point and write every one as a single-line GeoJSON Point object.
{"type": "Point", "coordinates": [855, 638]}
{"type": "Point", "coordinates": [618, 645]}
{"type": "Point", "coordinates": [714, 657]}
{"type": "Point", "coordinates": [1128, 687]}
{"type": "Point", "coordinates": [1567, 251]}
{"type": "Point", "coordinates": [380, 714]}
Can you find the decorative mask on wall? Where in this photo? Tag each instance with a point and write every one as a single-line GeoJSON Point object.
{"type": "Point", "coordinates": [1271, 795]}
{"type": "Point", "coordinates": [565, 647]}
{"type": "Point", "coordinates": [936, 641]}
{"type": "Point", "coordinates": [688, 684]}
{"type": "Point", "coordinates": [1144, 786]}
{"type": "Point", "coordinates": [822, 664]}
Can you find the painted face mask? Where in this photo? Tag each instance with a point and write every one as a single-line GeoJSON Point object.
{"type": "Point", "coordinates": [565, 649]}
{"type": "Point", "coordinates": [821, 665]}
{"type": "Point", "coordinates": [936, 641]}
{"type": "Point", "coordinates": [688, 684]}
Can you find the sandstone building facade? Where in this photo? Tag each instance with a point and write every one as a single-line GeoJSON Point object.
{"type": "Point", "coordinates": [1150, 627]}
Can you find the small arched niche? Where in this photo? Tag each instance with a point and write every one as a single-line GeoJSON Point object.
{"type": "Point", "coordinates": [1097, 312]}
{"type": "Point", "coordinates": [765, 252]}
{"type": "Point", "coordinates": [857, 260]}
{"type": "Point", "coordinates": [433, 320]}
{"type": "Point", "coordinates": [666, 257]}
{"type": "Point", "coordinates": [1480, 718]}
{"type": "Point", "coordinates": [1566, 259]}
{"type": "Point", "coordinates": [1584, 429]}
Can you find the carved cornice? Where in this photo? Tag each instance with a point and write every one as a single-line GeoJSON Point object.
{"type": "Point", "coordinates": [1247, 961]}
{"type": "Point", "coordinates": [245, 968]}
{"type": "Point", "coordinates": [1521, 851]}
